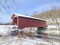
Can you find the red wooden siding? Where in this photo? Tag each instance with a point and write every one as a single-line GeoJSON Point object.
{"type": "Point", "coordinates": [23, 22]}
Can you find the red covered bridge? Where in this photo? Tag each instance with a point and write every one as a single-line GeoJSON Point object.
{"type": "Point", "coordinates": [26, 21]}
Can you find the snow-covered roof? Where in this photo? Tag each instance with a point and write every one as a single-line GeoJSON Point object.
{"type": "Point", "coordinates": [29, 17]}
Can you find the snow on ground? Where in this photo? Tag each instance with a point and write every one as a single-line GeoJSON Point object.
{"type": "Point", "coordinates": [26, 41]}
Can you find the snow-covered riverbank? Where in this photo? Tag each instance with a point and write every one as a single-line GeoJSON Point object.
{"type": "Point", "coordinates": [26, 41]}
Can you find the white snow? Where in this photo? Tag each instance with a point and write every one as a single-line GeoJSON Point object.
{"type": "Point", "coordinates": [27, 41]}
{"type": "Point", "coordinates": [5, 28]}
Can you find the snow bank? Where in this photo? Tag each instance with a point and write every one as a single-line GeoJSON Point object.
{"type": "Point", "coordinates": [27, 41]}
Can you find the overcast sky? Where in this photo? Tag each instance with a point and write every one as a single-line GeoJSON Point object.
{"type": "Point", "coordinates": [26, 7]}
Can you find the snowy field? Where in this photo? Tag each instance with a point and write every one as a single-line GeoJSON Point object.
{"type": "Point", "coordinates": [26, 41]}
